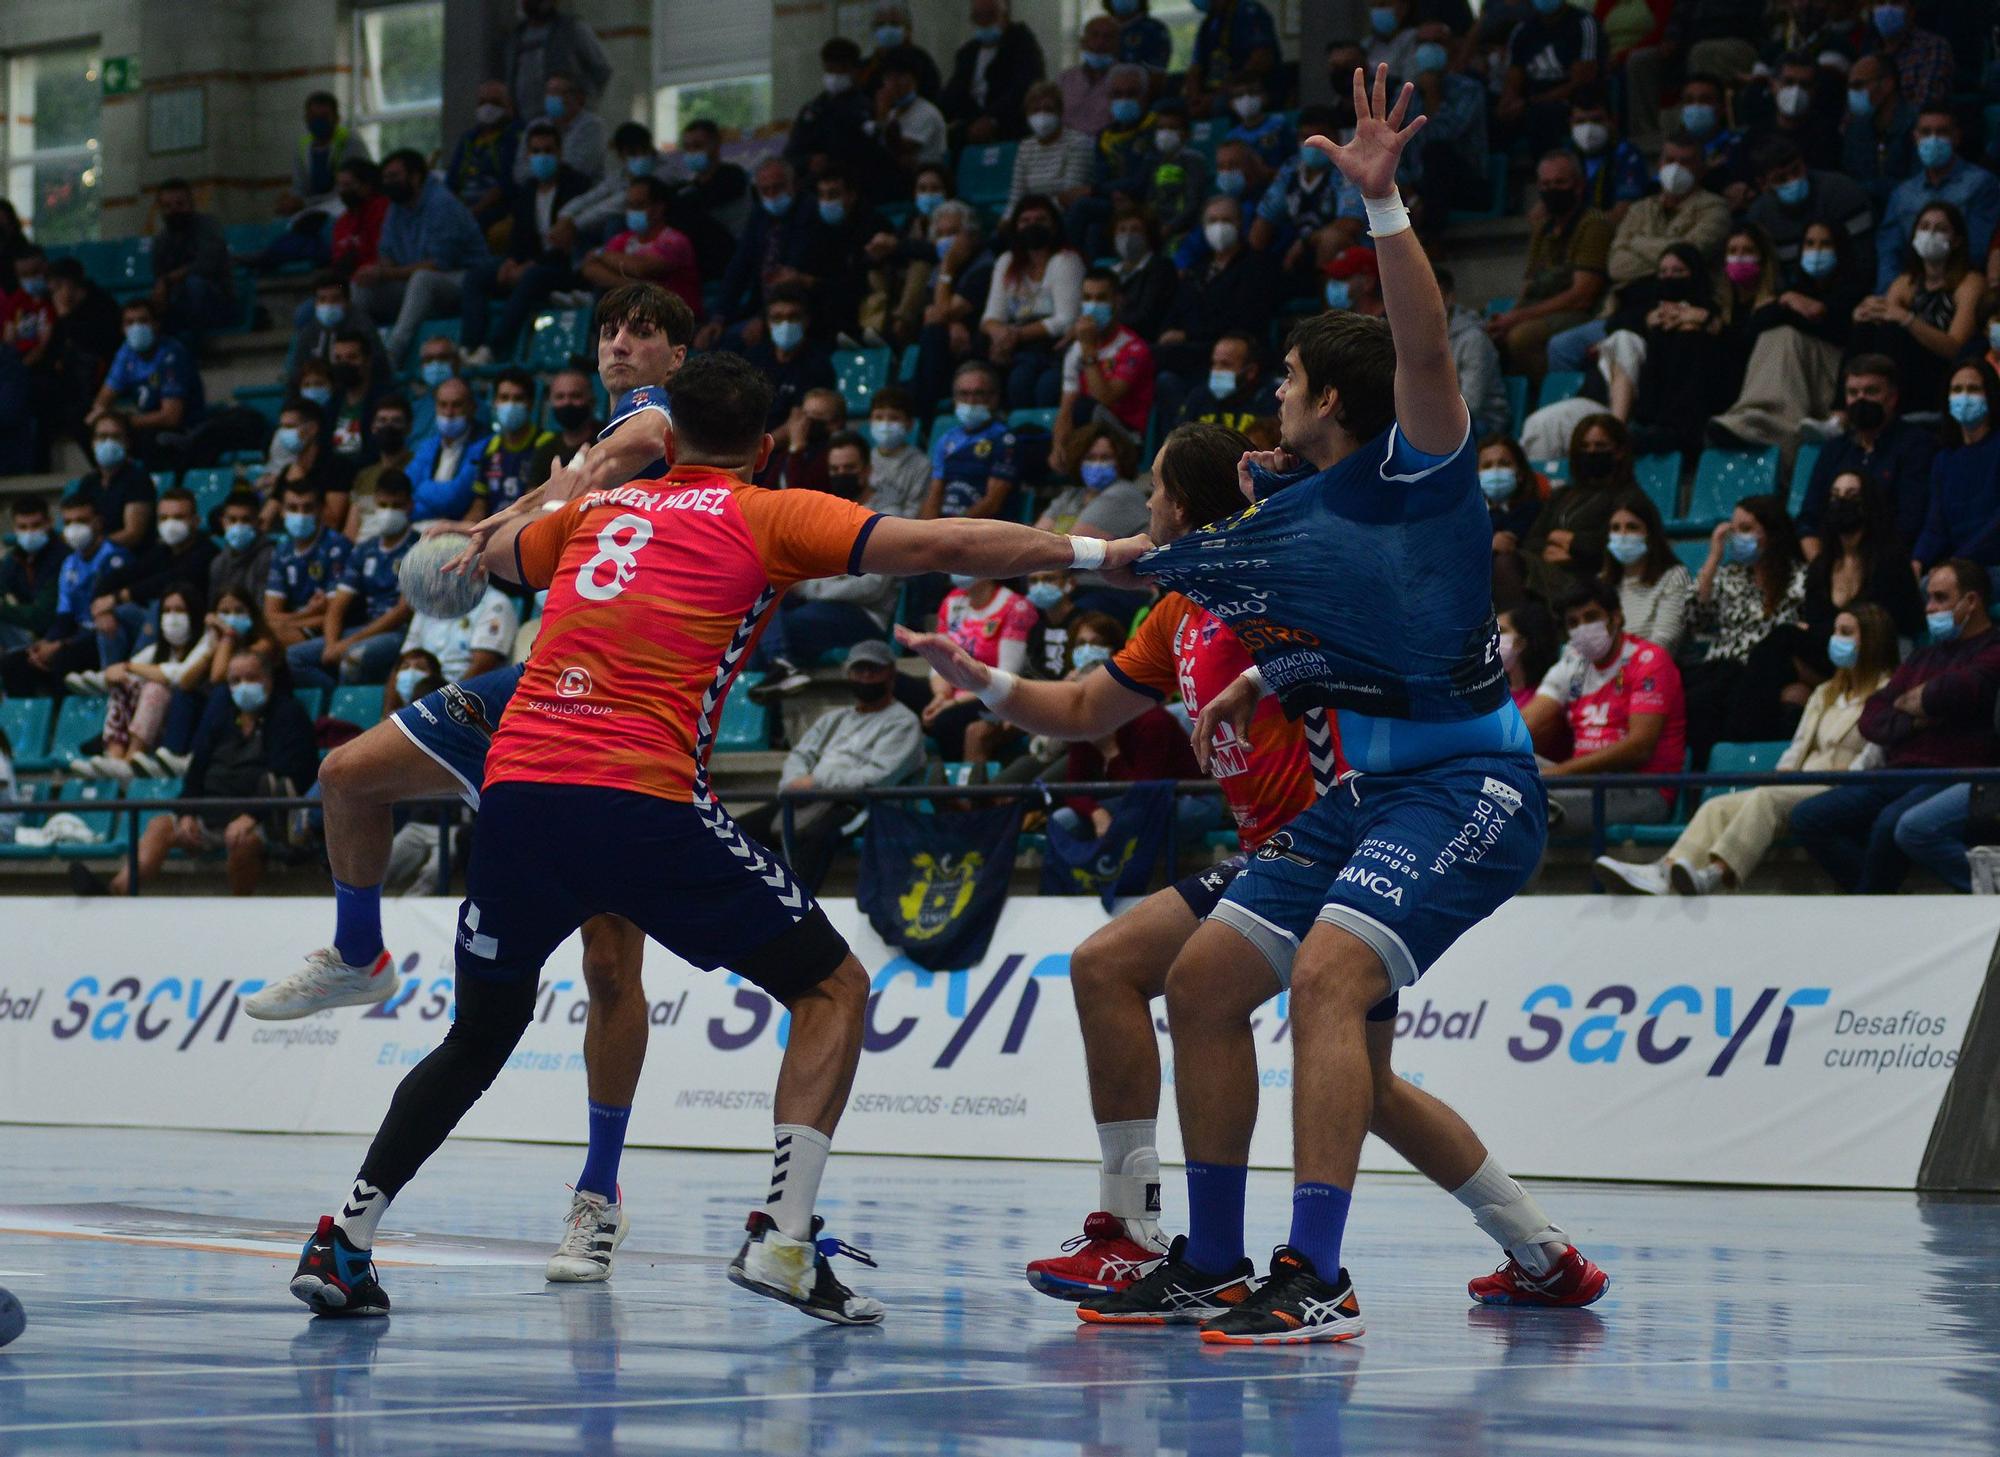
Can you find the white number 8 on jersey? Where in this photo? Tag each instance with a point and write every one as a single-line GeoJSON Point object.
{"type": "Point", "coordinates": [623, 557]}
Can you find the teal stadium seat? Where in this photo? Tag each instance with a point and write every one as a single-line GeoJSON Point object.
{"type": "Point", "coordinates": [106, 824]}
{"type": "Point", "coordinates": [1517, 401]}
{"type": "Point", "coordinates": [163, 481]}
{"type": "Point", "coordinates": [27, 791]}
{"type": "Point", "coordinates": [1723, 478]}
{"type": "Point", "coordinates": [1803, 462]}
{"type": "Point", "coordinates": [861, 372]}
{"type": "Point", "coordinates": [556, 338]}
{"type": "Point", "coordinates": [1559, 385]}
{"type": "Point", "coordinates": [144, 789]}
{"type": "Point", "coordinates": [26, 723]}
{"type": "Point", "coordinates": [265, 399]}
{"type": "Point", "coordinates": [426, 331]}
{"type": "Point", "coordinates": [1754, 757]}
{"type": "Point", "coordinates": [1035, 419]}
{"type": "Point", "coordinates": [986, 174]}
{"type": "Point", "coordinates": [78, 721]}
{"type": "Point", "coordinates": [211, 486]}
{"type": "Point", "coordinates": [1693, 553]}
{"type": "Point", "coordinates": [1659, 476]}
{"type": "Point", "coordinates": [745, 726]}
{"type": "Point", "coordinates": [356, 703]}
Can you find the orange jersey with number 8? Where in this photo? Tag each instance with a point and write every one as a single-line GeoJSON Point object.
{"type": "Point", "coordinates": [657, 592]}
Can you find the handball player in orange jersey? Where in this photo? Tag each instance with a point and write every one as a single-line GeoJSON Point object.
{"type": "Point", "coordinates": [596, 800]}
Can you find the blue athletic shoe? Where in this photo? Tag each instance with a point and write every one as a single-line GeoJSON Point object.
{"type": "Point", "coordinates": [334, 1278]}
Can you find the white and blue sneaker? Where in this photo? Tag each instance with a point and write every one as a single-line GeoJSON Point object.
{"type": "Point", "coordinates": [597, 1226]}
{"type": "Point", "coordinates": [325, 981]}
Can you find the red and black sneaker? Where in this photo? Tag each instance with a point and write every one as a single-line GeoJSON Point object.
{"type": "Point", "coordinates": [1103, 1260]}
{"type": "Point", "coordinates": [334, 1278]}
{"type": "Point", "coordinates": [1574, 1281]}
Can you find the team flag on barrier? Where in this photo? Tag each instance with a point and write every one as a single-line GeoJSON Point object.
{"type": "Point", "coordinates": [933, 884]}
{"type": "Point", "coordinates": [1118, 862]}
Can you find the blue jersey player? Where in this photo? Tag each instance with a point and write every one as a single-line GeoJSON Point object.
{"type": "Point", "coordinates": [1360, 583]}
{"type": "Point", "coordinates": [437, 746]}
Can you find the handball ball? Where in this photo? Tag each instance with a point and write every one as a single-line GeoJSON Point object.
{"type": "Point", "coordinates": [13, 1320]}
{"type": "Point", "coordinates": [429, 589]}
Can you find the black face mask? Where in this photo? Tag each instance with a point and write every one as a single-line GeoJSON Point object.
{"type": "Point", "coordinates": [389, 438]}
{"type": "Point", "coordinates": [570, 417]}
{"type": "Point", "coordinates": [346, 376]}
{"type": "Point", "coordinates": [400, 193]}
{"type": "Point", "coordinates": [1869, 415]}
{"type": "Point", "coordinates": [1036, 236]}
{"type": "Point", "coordinates": [1558, 200]}
{"type": "Point", "coordinates": [1593, 465]}
{"type": "Point", "coordinates": [1676, 290]}
{"type": "Point", "coordinates": [869, 692]}
{"type": "Point", "coordinates": [1843, 514]}
{"type": "Point", "coordinates": [845, 484]}
{"type": "Point", "coordinates": [352, 201]}
{"type": "Point", "coordinates": [818, 432]}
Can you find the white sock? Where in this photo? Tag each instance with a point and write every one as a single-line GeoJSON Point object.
{"type": "Point", "coordinates": [1128, 1177]}
{"type": "Point", "coordinates": [361, 1213]}
{"type": "Point", "coordinates": [1511, 1216]}
{"type": "Point", "coordinates": [796, 1167]}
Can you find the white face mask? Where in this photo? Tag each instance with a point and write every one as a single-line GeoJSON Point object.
{"type": "Point", "coordinates": [836, 83]}
{"type": "Point", "coordinates": [1249, 108]}
{"type": "Point", "coordinates": [1590, 136]}
{"type": "Point", "coordinates": [1676, 180]}
{"type": "Point", "coordinates": [1793, 100]}
{"type": "Point", "coordinates": [1221, 236]}
{"type": "Point", "coordinates": [1510, 650]}
{"type": "Point", "coordinates": [1167, 140]}
{"type": "Point", "coordinates": [1043, 123]}
{"type": "Point", "coordinates": [175, 627]}
{"type": "Point", "coordinates": [1591, 640]}
{"type": "Point", "coordinates": [174, 531]}
{"type": "Point", "coordinates": [77, 535]}
{"type": "Point", "coordinates": [1933, 245]}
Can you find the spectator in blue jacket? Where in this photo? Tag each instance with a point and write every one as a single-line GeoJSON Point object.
{"type": "Point", "coordinates": [1964, 518]}
{"type": "Point", "coordinates": [1236, 37]}
{"type": "Point", "coordinates": [69, 644]}
{"type": "Point", "coordinates": [362, 635]}
{"type": "Point", "coordinates": [1142, 40]}
{"type": "Point", "coordinates": [1946, 177]}
{"type": "Point", "coordinates": [153, 379]}
{"type": "Point", "coordinates": [429, 239]}
{"type": "Point", "coordinates": [775, 250]}
{"type": "Point", "coordinates": [445, 462]}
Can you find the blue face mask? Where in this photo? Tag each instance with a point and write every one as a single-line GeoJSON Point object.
{"type": "Point", "coordinates": [1123, 8]}
{"type": "Point", "coordinates": [1126, 112]}
{"type": "Point", "coordinates": [249, 697]}
{"type": "Point", "coordinates": [434, 372]}
{"type": "Point", "coordinates": [1497, 482]}
{"type": "Point", "coordinates": [319, 394]}
{"type": "Point", "coordinates": [289, 439]}
{"type": "Point", "coordinates": [1626, 548]}
{"type": "Point", "coordinates": [1934, 151]}
{"type": "Point", "coordinates": [1741, 549]}
{"type": "Point", "coordinates": [962, 580]}
{"type": "Point", "coordinates": [1231, 183]}
{"type": "Point", "coordinates": [640, 166]}
{"type": "Point", "coordinates": [1201, 5]}
{"type": "Point", "coordinates": [1548, 7]}
{"type": "Point", "coordinates": [1842, 651]}
{"type": "Point", "coordinates": [1967, 409]}
{"type": "Point", "coordinates": [1793, 193]}
{"type": "Point", "coordinates": [1097, 474]}
{"type": "Point", "coordinates": [1890, 20]}
{"type": "Point", "coordinates": [408, 681]}
{"type": "Point", "coordinates": [1383, 18]}
{"type": "Point", "coordinates": [695, 162]}
{"type": "Point", "coordinates": [141, 338]}
{"type": "Point", "coordinates": [1312, 159]}
{"type": "Point", "coordinates": [778, 206]}
{"type": "Point", "coordinates": [554, 108]}
{"type": "Point", "coordinates": [453, 427]}
{"type": "Point", "coordinates": [1097, 61]}
{"type": "Point", "coordinates": [988, 35]}
{"type": "Point", "coordinates": [833, 214]}
{"type": "Point", "coordinates": [1816, 262]}
{"type": "Point", "coordinates": [888, 434]}
{"type": "Point", "coordinates": [31, 542]}
{"type": "Point", "coordinates": [1044, 595]}
{"type": "Point", "coordinates": [240, 535]}
{"type": "Point", "coordinates": [972, 417]}
{"type": "Point", "coordinates": [1698, 117]}
{"type": "Point", "coordinates": [943, 246]}
{"type": "Point", "coordinates": [300, 525]}
{"type": "Point", "coordinates": [1088, 655]}
{"type": "Point", "coordinates": [237, 622]}
{"type": "Point", "coordinates": [1338, 294]}
{"type": "Point", "coordinates": [542, 166]}
{"type": "Point", "coordinates": [930, 202]}
{"type": "Point", "coordinates": [109, 453]}
{"type": "Point", "coordinates": [1943, 625]}
{"type": "Point", "coordinates": [888, 37]}
{"type": "Point", "coordinates": [1098, 313]}
{"type": "Point", "coordinates": [788, 335]}
{"type": "Point", "coordinates": [1432, 57]}
{"type": "Point", "coordinates": [510, 415]}
{"type": "Point", "coordinates": [1222, 383]}
{"type": "Point", "coordinates": [330, 316]}
{"type": "Point", "coordinates": [1859, 102]}
{"type": "Point", "coordinates": [34, 285]}
{"type": "Point", "coordinates": [636, 220]}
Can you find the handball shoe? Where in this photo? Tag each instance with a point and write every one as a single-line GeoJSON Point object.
{"type": "Point", "coordinates": [334, 1278]}
{"type": "Point", "coordinates": [1173, 1292]}
{"type": "Point", "coordinates": [325, 981]}
{"type": "Point", "coordinates": [596, 1228]}
{"type": "Point", "coordinates": [796, 1271]}
{"type": "Point", "coordinates": [1103, 1260]}
{"type": "Point", "coordinates": [1574, 1281]}
{"type": "Point", "coordinates": [1291, 1308]}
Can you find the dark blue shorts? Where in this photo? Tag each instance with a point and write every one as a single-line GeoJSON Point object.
{"type": "Point", "coordinates": [455, 724]}
{"type": "Point", "coordinates": [548, 857]}
{"type": "Point", "coordinates": [1405, 862]}
{"type": "Point", "coordinates": [1203, 891]}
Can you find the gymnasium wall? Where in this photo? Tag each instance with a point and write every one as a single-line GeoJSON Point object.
{"type": "Point", "coordinates": [1805, 1041]}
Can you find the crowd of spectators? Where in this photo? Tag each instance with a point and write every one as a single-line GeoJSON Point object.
{"type": "Point", "coordinates": [1749, 225]}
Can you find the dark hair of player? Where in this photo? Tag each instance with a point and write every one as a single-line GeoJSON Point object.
{"type": "Point", "coordinates": [1354, 355]}
{"type": "Point", "coordinates": [1198, 470]}
{"type": "Point", "coordinates": [720, 404]}
{"type": "Point", "coordinates": [645, 303]}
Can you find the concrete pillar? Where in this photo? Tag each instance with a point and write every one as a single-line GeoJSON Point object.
{"type": "Point", "coordinates": [1319, 23]}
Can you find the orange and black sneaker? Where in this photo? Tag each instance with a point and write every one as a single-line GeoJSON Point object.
{"type": "Point", "coordinates": [1173, 1292]}
{"type": "Point", "coordinates": [1291, 1308]}
{"type": "Point", "coordinates": [1573, 1281]}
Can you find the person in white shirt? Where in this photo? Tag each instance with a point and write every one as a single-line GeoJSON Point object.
{"type": "Point", "coordinates": [910, 127]}
{"type": "Point", "coordinates": [899, 474]}
{"type": "Point", "coordinates": [465, 646]}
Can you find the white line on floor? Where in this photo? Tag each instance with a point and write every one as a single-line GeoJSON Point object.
{"type": "Point", "coordinates": [490, 1408]}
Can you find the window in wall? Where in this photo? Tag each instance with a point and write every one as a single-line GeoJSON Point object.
{"type": "Point", "coordinates": [1182, 20]}
{"type": "Point", "coordinates": [52, 159]}
{"type": "Point", "coordinates": [734, 103]}
{"type": "Point", "coordinates": [712, 62]}
{"type": "Point", "coordinates": [399, 76]}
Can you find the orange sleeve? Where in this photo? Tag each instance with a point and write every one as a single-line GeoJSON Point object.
{"type": "Point", "coordinates": [539, 545]}
{"type": "Point", "coordinates": [1146, 662]}
{"type": "Point", "coordinates": [805, 534]}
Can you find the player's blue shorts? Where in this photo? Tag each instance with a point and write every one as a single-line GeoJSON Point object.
{"type": "Point", "coordinates": [1406, 862]}
{"type": "Point", "coordinates": [455, 724]}
{"type": "Point", "coordinates": [548, 857]}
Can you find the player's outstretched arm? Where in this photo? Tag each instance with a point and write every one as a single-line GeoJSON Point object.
{"type": "Point", "coordinates": [1083, 708]}
{"type": "Point", "coordinates": [1429, 412]}
{"type": "Point", "coordinates": [898, 547]}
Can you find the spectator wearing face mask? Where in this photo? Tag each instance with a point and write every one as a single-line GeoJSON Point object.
{"type": "Point", "coordinates": [1798, 338]}
{"type": "Point", "coordinates": [1752, 584]}
{"type": "Point", "coordinates": [1236, 290]}
{"type": "Point", "coordinates": [572, 411]}
{"type": "Point", "coordinates": [119, 487]}
{"type": "Point", "coordinates": [875, 741]}
{"type": "Point", "coordinates": [243, 565]}
{"type": "Point", "coordinates": [1701, 37]}
{"type": "Point", "coordinates": [836, 128]}
{"type": "Point", "coordinates": [1802, 112]}
{"type": "Point", "coordinates": [1730, 833]}
{"type": "Point", "coordinates": [1930, 314]}
{"type": "Point", "coordinates": [193, 289]}
{"type": "Point", "coordinates": [711, 200]}
{"type": "Point", "coordinates": [67, 644]}
{"type": "Point", "coordinates": [1147, 280]}
{"type": "Point", "coordinates": [1615, 175]}
{"type": "Point", "coordinates": [1514, 494]}
{"type": "Point", "coordinates": [306, 569]}
{"type": "Point", "coordinates": [178, 550]}
{"type": "Point", "coordinates": [901, 267]}
{"type": "Point", "coordinates": [1269, 134]}
{"type": "Point", "coordinates": [30, 575]}
{"type": "Point", "coordinates": [237, 622]}
{"type": "Point", "coordinates": [894, 34]}
{"type": "Point", "coordinates": [1143, 40]}
{"type": "Point", "coordinates": [991, 622]}
{"type": "Point", "coordinates": [1566, 542]}
{"type": "Point", "coordinates": [1126, 155]}
{"type": "Point", "coordinates": [1935, 713]}
{"type": "Point", "coordinates": [445, 463]}
{"type": "Point", "coordinates": [598, 211]}
{"type": "Point", "coordinates": [310, 464]}
{"type": "Point", "coordinates": [389, 445]}
{"type": "Point", "coordinates": [27, 315]}
{"type": "Point", "coordinates": [1529, 647]}
{"type": "Point", "coordinates": [1392, 38]}
{"type": "Point", "coordinates": [1704, 115]}
{"type": "Point", "coordinates": [774, 253]}
{"type": "Point", "coordinates": [1878, 147]}
{"type": "Point", "coordinates": [1964, 515]}
{"type": "Point", "coordinates": [789, 356]}
{"type": "Point", "coordinates": [1237, 37]}
{"type": "Point", "coordinates": [1945, 176]}
{"type": "Point", "coordinates": [585, 138]}
{"type": "Point", "coordinates": [899, 473]}
{"type": "Point", "coordinates": [365, 612]}
{"type": "Point", "coordinates": [429, 239]}
{"type": "Point", "coordinates": [331, 313]}
{"type": "Point", "coordinates": [1310, 213]}
{"type": "Point", "coordinates": [1107, 369]}
{"type": "Point", "coordinates": [1056, 161]}
{"type": "Point", "coordinates": [960, 283]}
{"type": "Point", "coordinates": [547, 41]}
{"type": "Point", "coordinates": [1175, 179]}
{"type": "Point", "coordinates": [802, 445]}
{"type": "Point", "coordinates": [1863, 562]}
{"type": "Point", "coordinates": [356, 387]}
{"type": "Point", "coordinates": [1922, 60]}
{"type": "Point", "coordinates": [1870, 438]}
{"type": "Point", "coordinates": [321, 150]}
{"type": "Point", "coordinates": [1622, 699]}
{"type": "Point", "coordinates": [505, 459]}
{"type": "Point", "coordinates": [1048, 593]}
{"type": "Point", "coordinates": [1639, 563]}
{"type": "Point", "coordinates": [1792, 197]}
{"type": "Point", "coordinates": [86, 337]}
{"type": "Point", "coordinates": [911, 128]}
{"type": "Point", "coordinates": [154, 697]}
{"type": "Point", "coordinates": [1568, 255]}
{"type": "Point", "coordinates": [480, 173]}
{"type": "Point", "coordinates": [1234, 392]}
{"type": "Point", "coordinates": [534, 266]}
{"type": "Point", "coordinates": [837, 239]}
{"type": "Point", "coordinates": [155, 378]}
{"type": "Point", "coordinates": [357, 230]}
{"type": "Point", "coordinates": [1109, 503]}
{"type": "Point", "coordinates": [647, 250]}
{"type": "Point", "coordinates": [437, 361]}
{"type": "Point", "coordinates": [1085, 87]}
{"type": "Point", "coordinates": [973, 463]}
{"type": "Point", "coordinates": [1454, 136]}
{"type": "Point", "coordinates": [1550, 55]}
{"type": "Point", "coordinates": [990, 76]}
{"type": "Point", "coordinates": [1032, 303]}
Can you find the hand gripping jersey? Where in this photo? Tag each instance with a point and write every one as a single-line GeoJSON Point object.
{"type": "Point", "coordinates": [1366, 588]}
{"type": "Point", "coordinates": [657, 591]}
{"type": "Point", "coordinates": [1275, 772]}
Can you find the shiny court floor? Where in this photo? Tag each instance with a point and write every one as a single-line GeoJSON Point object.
{"type": "Point", "coordinates": [153, 1270]}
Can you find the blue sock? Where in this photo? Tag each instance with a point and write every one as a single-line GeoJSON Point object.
{"type": "Point", "coordinates": [1215, 1216]}
{"type": "Point", "coordinates": [607, 1142]}
{"type": "Point", "coordinates": [1319, 1219]}
{"type": "Point", "coordinates": [357, 923]}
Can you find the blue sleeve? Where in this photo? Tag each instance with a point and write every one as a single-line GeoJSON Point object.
{"type": "Point", "coordinates": [175, 368]}
{"type": "Point", "coordinates": [1628, 183]}
{"type": "Point", "coordinates": [1271, 206]}
{"type": "Point", "coordinates": [446, 500]}
{"type": "Point", "coordinates": [274, 579]}
{"type": "Point", "coordinates": [1405, 462]}
{"type": "Point", "coordinates": [339, 551]}
{"type": "Point", "coordinates": [638, 402]}
{"type": "Point", "coordinates": [1263, 29]}
{"type": "Point", "coordinates": [938, 452]}
{"type": "Point", "coordinates": [119, 376]}
{"type": "Point", "coordinates": [1004, 464]}
{"type": "Point", "coordinates": [355, 577]}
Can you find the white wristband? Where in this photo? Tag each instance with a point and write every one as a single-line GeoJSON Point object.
{"type": "Point", "coordinates": [1256, 676]}
{"type": "Point", "coordinates": [1086, 552]}
{"type": "Point", "coordinates": [1386, 215]}
{"type": "Point", "coordinates": [998, 686]}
